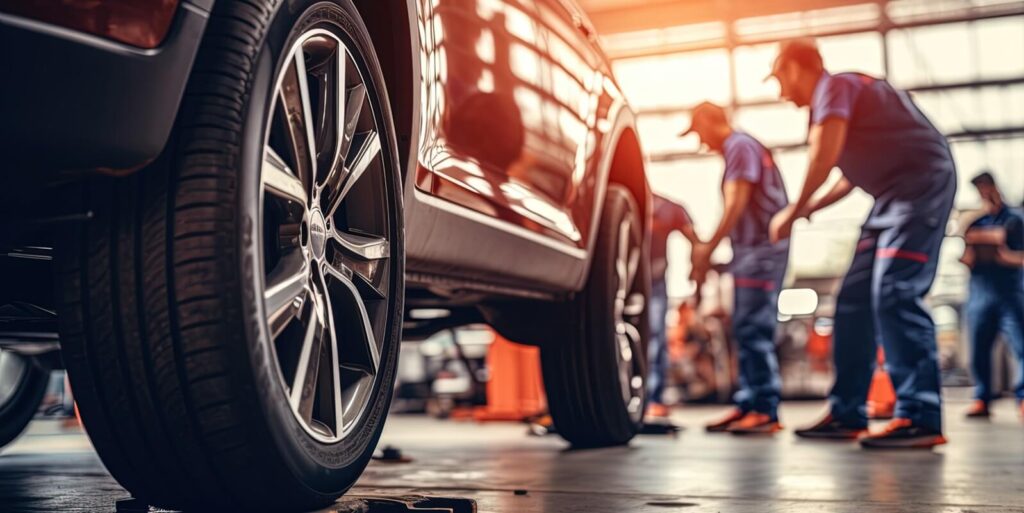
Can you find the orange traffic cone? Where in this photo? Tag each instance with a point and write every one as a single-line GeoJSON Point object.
{"type": "Point", "coordinates": [515, 388]}
{"type": "Point", "coordinates": [881, 395]}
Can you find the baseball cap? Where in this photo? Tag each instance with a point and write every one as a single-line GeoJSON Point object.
{"type": "Point", "coordinates": [702, 113]}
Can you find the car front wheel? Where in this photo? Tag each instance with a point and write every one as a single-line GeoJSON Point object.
{"type": "Point", "coordinates": [230, 315]}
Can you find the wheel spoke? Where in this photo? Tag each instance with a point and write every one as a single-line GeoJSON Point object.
{"type": "Point", "coordinates": [335, 363]}
{"type": "Point", "coordinates": [362, 246]}
{"type": "Point", "coordinates": [364, 332]}
{"type": "Point", "coordinates": [286, 291]}
{"type": "Point", "coordinates": [359, 259]}
{"type": "Point", "coordinates": [294, 97]}
{"type": "Point", "coordinates": [354, 99]}
{"type": "Point", "coordinates": [366, 148]}
{"type": "Point", "coordinates": [279, 180]}
{"type": "Point", "coordinates": [303, 390]}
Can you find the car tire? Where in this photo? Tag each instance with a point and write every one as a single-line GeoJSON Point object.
{"type": "Point", "coordinates": [595, 379]}
{"type": "Point", "coordinates": [230, 315]}
{"type": "Point", "coordinates": [22, 386]}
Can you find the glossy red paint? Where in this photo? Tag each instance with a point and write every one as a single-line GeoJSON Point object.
{"type": "Point", "coordinates": [141, 23]}
{"type": "Point", "coordinates": [517, 104]}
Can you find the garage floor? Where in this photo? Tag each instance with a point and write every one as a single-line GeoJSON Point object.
{"type": "Point", "coordinates": [981, 471]}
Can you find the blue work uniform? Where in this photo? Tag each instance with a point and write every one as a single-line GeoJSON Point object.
{"type": "Point", "coordinates": [996, 304]}
{"type": "Point", "coordinates": [895, 154]}
{"type": "Point", "coordinates": [667, 217]}
{"type": "Point", "coordinates": [758, 268]}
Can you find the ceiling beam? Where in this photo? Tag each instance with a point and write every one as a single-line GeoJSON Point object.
{"type": "Point", "coordinates": [612, 17]}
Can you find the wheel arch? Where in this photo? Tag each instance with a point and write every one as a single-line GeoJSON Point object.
{"type": "Point", "coordinates": [622, 163]}
{"type": "Point", "coordinates": [393, 30]}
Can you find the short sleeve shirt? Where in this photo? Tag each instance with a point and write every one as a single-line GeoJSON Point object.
{"type": "Point", "coordinates": [892, 151]}
{"type": "Point", "coordinates": [1013, 223]}
{"type": "Point", "coordinates": [749, 161]}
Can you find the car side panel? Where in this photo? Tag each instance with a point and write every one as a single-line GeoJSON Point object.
{"type": "Point", "coordinates": [529, 225]}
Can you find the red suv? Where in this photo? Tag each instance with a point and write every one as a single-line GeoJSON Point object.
{"type": "Point", "coordinates": [224, 212]}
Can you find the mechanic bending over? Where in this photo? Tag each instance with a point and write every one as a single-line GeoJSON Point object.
{"type": "Point", "coordinates": [753, 192]}
{"type": "Point", "coordinates": [995, 254]}
{"type": "Point", "coordinates": [883, 144]}
{"type": "Point", "coordinates": [668, 217]}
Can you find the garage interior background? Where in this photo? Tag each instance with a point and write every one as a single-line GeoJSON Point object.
{"type": "Point", "coordinates": [963, 60]}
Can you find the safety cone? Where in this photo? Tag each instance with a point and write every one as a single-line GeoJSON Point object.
{"type": "Point", "coordinates": [882, 395]}
{"type": "Point", "coordinates": [515, 388]}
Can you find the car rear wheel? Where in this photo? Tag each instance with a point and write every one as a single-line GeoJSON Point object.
{"type": "Point", "coordinates": [595, 380]}
{"type": "Point", "coordinates": [22, 385]}
{"type": "Point", "coordinates": [231, 314]}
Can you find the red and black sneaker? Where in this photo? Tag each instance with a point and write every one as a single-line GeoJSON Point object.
{"type": "Point", "coordinates": [903, 434]}
{"type": "Point", "coordinates": [978, 410]}
{"type": "Point", "coordinates": [719, 426]}
{"type": "Point", "coordinates": [754, 423]}
{"type": "Point", "coordinates": [829, 428]}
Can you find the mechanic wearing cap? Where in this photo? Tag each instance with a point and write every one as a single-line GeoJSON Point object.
{"type": "Point", "coordinates": [883, 144]}
{"type": "Point", "coordinates": [996, 301]}
{"type": "Point", "coordinates": [667, 217]}
{"type": "Point", "coordinates": [753, 192]}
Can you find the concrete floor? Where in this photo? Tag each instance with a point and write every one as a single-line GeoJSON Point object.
{"type": "Point", "coordinates": [980, 471]}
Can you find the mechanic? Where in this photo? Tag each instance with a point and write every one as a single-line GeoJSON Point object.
{"type": "Point", "coordinates": [668, 217]}
{"type": "Point", "coordinates": [996, 301]}
{"type": "Point", "coordinates": [753, 192]}
{"type": "Point", "coordinates": [883, 144]}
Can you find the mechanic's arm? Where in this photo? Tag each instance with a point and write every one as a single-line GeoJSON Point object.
{"type": "Point", "coordinates": [1010, 258]}
{"type": "Point", "coordinates": [968, 257]}
{"type": "Point", "coordinates": [1011, 252]}
{"type": "Point", "coordinates": [689, 233]}
{"type": "Point", "coordinates": [826, 144]}
{"type": "Point", "coordinates": [736, 195]}
{"type": "Point", "coordinates": [840, 190]}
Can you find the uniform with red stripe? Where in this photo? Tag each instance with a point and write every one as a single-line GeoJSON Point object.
{"type": "Point", "coordinates": [892, 152]}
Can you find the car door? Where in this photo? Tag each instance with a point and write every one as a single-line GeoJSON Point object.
{"type": "Point", "coordinates": [575, 83]}
{"type": "Point", "coordinates": [500, 143]}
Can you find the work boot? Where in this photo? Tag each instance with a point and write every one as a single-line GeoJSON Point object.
{"type": "Point", "coordinates": [978, 410]}
{"type": "Point", "coordinates": [828, 428]}
{"type": "Point", "coordinates": [903, 434]}
{"type": "Point", "coordinates": [719, 426]}
{"type": "Point", "coordinates": [754, 423]}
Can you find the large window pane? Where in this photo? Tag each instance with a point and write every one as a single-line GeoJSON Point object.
{"type": "Point", "coordinates": [676, 80]}
{"type": "Point", "coordinates": [854, 52]}
{"type": "Point", "coordinates": [774, 124]}
{"type": "Point", "coordinates": [1000, 51]}
{"type": "Point", "coordinates": [753, 63]}
{"type": "Point", "coordinates": [931, 55]}
{"type": "Point", "coordinates": [659, 134]}
{"type": "Point", "coordinates": [963, 110]}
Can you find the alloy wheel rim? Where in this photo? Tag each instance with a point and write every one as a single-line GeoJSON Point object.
{"type": "Point", "coordinates": [12, 372]}
{"type": "Point", "coordinates": [628, 310]}
{"type": "Point", "coordinates": [325, 231]}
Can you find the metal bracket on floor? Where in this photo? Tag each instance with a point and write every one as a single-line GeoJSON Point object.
{"type": "Point", "coordinates": [408, 504]}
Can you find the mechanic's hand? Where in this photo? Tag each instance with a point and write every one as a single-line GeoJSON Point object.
{"type": "Point", "coordinates": [700, 259]}
{"type": "Point", "coordinates": [781, 226]}
{"type": "Point", "coordinates": [968, 257]}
